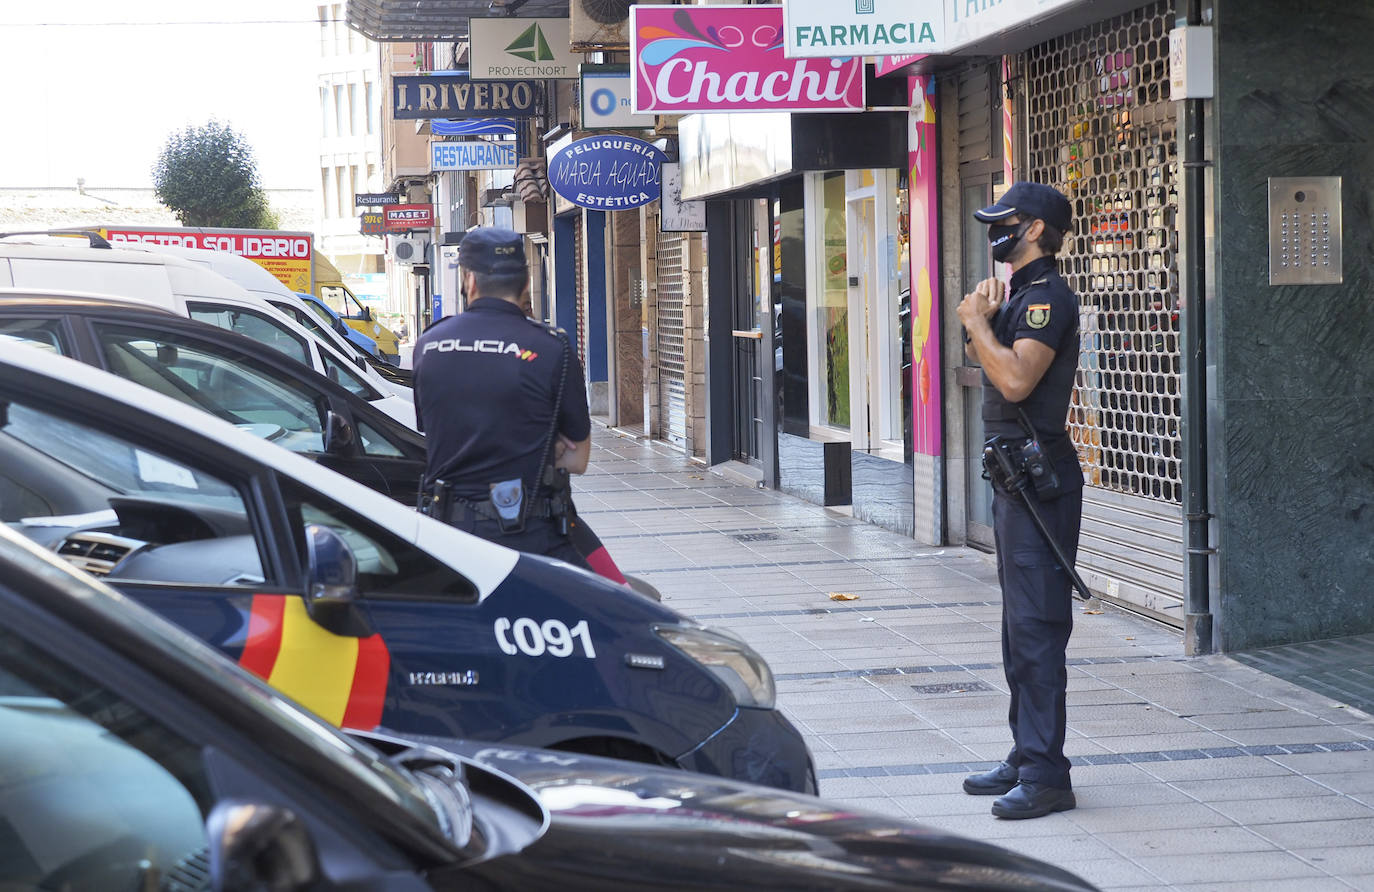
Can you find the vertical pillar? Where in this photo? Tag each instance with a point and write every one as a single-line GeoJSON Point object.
{"type": "Point", "coordinates": [627, 329]}
{"type": "Point", "coordinates": [598, 394]}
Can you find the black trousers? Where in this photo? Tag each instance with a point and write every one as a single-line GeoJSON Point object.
{"type": "Point", "coordinates": [1037, 618]}
{"type": "Point", "coordinates": [540, 536]}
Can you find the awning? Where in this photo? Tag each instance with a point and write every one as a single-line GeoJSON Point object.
{"type": "Point", "coordinates": [384, 20]}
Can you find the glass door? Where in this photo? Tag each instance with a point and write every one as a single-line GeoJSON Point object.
{"type": "Point", "coordinates": [977, 265]}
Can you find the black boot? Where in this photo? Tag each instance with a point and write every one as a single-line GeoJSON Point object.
{"type": "Point", "coordinates": [996, 782]}
{"type": "Point", "coordinates": [1033, 801]}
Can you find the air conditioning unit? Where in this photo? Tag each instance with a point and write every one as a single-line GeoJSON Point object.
{"type": "Point", "coordinates": [603, 24]}
{"type": "Point", "coordinates": [408, 249]}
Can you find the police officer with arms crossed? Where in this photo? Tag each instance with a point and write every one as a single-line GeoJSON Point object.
{"type": "Point", "coordinates": [1028, 347]}
{"type": "Point", "coordinates": [502, 404]}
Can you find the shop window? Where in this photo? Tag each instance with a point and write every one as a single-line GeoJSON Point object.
{"type": "Point", "coordinates": [832, 312]}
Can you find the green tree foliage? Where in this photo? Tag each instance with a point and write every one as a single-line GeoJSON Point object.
{"type": "Point", "coordinates": [208, 176]}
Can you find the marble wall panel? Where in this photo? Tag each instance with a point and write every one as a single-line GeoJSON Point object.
{"type": "Point", "coordinates": [1291, 367]}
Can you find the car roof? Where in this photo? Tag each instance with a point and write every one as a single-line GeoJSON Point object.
{"type": "Point", "coordinates": [55, 297]}
{"type": "Point", "coordinates": [484, 563]}
{"type": "Point", "coordinates": [13, 300]}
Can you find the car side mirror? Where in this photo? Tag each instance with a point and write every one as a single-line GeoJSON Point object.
{"type": "Point", "coordinates": [338, 433]}
{"type": "Point", "coordinates": [331, 584]}
{"type": "Point", "coordinates": [258, 846]}
{"type": "Point", "coordinates": [367, 314]}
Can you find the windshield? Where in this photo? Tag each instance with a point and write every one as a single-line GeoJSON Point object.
{"type": "Point", "coordinates": [115, 463]}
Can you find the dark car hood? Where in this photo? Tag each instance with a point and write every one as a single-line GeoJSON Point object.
{"type": "Point", "coordinates": [617, 824]}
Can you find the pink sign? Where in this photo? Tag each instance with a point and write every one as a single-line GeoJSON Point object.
{"type": "Point", "coordinates": [889, 64]}
{"type": "Point", "coordinates": [924, 195]}
{"type": "Point", "coordinates": [730, 59]}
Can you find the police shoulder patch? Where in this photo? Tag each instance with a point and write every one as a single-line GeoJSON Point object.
{"type": "Point", "coordinates": [1038, 315]}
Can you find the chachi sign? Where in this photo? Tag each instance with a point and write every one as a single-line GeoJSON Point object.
{"type": "Point", "coordinates": [607, 173]}
{"type": "Point", "coordinates": [691, 59]}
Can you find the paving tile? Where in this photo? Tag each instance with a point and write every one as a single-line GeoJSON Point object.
{"type": "Point", "coordinates": [1293, 808]}
{"type": "Point", "coordinates": [1110, 874]}
{"type": "Point", "coordinates": [1303, 884]}
{"type": "Point", "coordinates": [1340, 860]}
{"type": "Point", "coordinates": [1099, 812]}
{"type": "Point", "coordinates": [1235, 789]}
{"type": "Point", "coordinates": [1231, 867]}
{"type": "Point", "coordinates": [1191, 841]}
{"type": "Point", "coordinates": [1197, 769]}
{"type": "Point", "coordinates": [1320, 833]}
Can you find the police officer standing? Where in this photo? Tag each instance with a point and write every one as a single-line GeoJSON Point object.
{"type": "Point", "coordinates": [502, 404]}
{"type": "Point", "coordinates": [1028, 347]}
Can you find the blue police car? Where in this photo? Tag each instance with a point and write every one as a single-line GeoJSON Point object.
{"type": "Point", "coordinates": [363, 610]}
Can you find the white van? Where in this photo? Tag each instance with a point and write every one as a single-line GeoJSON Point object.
{"type": "Point", "coordinates": [187, 289]}
{"type": "Point", "coordinates": [258, 282]}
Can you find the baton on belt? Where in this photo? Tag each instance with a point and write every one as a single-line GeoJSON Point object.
{"type": "Point", "coordinates": [1002, 470]}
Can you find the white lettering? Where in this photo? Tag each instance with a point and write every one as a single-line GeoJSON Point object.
{"type": "Point", "coordinates": [534, 639]}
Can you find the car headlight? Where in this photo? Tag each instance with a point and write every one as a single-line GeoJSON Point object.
{"type": "Point", "coordinates": [736, 664]}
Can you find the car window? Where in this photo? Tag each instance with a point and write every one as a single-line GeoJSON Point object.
{"type": "Point", "coordinates": [341, 302]}
{"type": "Point", "coordinates": [250, 323]}
{"type": "Point", "coordinates": [172, 522]}
{"type": "Point", "coordinates": [219, 380]}
{"type": "Point", "coordinates": [97, 794]}
{"type": "Point", "coordinates": [345, 375]}
{"type": "Point", "coordinates": [387, 564]}
{"type": "Point", "coordinates": [375, 443]}
{"type": "Point", "coordinates": [46, 334]}
{"type": "Point", "coordinates": [320, 311]}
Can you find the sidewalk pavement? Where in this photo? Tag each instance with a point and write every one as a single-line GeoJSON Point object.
{"type": "Point", "coordinates": [1191, 773]}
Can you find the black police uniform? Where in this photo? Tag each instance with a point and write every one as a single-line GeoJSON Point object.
{"type": "Point", "coordinates": [485, 383]}
{"type": "Point", "coordinates": [1037, 598]}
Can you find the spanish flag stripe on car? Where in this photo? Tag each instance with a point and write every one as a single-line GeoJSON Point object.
{"type": "Point", "coordinates": [264, 635]}
{"type": "Point", "coordinates": [368, 694]}
{"type": "Point", "coordinates": [342, 679]}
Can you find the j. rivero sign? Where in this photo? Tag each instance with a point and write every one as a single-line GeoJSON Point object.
{"type": "Point", "coordinates": [415, 96]}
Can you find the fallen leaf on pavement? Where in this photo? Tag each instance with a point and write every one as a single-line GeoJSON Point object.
{"type": "Point", "coordinates": [843, 596]}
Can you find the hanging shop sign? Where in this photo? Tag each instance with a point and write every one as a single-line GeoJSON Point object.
{"type": "Point", "coordinates": [405, 217]}
{"type": "Point", "coordinates": [730, 59]}
{"type": "Point", "coordinates": [606, 102]}
{"type": "Point", "coordinates": [862, 28]}
{"type": "Point", "coordinates": [471, 156]}
{"type": "Point", "coordinates": [372, 223]}
{"type": "Point", "coordinates": [889, 64]}
{"type": "Point", "coordinates": [676, 215]}
{"type": "Point", "coordinates": [607, 173]}
{"type": "Point", "coordinates": [520, 48]}
{"type": "Point", "coordinates": [375, 199]}
{"type": "Point", "coordinates": [473, 127]}
{"type": "Point", "coordinates": [416, 96]}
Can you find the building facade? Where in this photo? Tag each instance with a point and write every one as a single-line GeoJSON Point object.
{"type": "Point", "coordinates": [805, 336]}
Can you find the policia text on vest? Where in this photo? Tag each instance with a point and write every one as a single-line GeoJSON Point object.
{"type": "Point", "coordinates": [502, 403]}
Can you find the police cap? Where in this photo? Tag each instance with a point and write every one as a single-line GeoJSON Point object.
{"type": "Point", "coordinates": [1031, 200]}
{"type": "Point", "coordinates": [492, 250]}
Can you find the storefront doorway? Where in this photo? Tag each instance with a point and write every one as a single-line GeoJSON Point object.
{"type": "Point", "coordinates": [752, 335]}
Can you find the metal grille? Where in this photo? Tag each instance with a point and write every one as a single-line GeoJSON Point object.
{"type": "Point", "coordinates": [672, 361]}
{"type": "Point", "coordinates": [580, 287]}
{"type": "Point", "coordinates": [1101, 128]}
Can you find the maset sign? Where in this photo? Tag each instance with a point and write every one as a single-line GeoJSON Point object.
{"type": "Point", "coordinates": [405, 217]}
{"type": "Point", "coordinates": [730, 59]}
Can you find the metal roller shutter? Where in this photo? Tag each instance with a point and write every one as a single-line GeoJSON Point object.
{"type": "Point", "coordinates": [671, 339]}
{"type": "Point", "coordinates": [1102, 129]}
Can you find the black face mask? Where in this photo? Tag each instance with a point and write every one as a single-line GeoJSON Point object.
{"type": "Point", "coordinates": [1004, 240]}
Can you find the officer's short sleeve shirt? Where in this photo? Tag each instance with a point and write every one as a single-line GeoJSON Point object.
{"type": "Point", "coordinates": [485, 387]}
